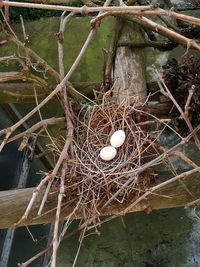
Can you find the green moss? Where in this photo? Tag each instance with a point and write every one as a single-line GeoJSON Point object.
{"type": "Point", "coordinates": [43, 39]}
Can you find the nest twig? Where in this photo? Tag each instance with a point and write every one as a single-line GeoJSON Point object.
{"type": "Point", "coordinates": [90, 181]}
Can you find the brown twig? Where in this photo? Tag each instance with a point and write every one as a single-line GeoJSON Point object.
{"type": "Point", "coordinates": [163, 184]}
{"type": "Point", "coordinates": [151, 163]}
{"type": "Point", "coordinates": [26, 42]}
{"type": "Point", "coordinates": [152, 25]}
{"type": "Point", "coordinates": [57, 217]}
{"type": "Point", "coordinates": [82, 10]}
{"type": "Point", "coordinates": [164, 90]}
{"type": "Point", "coordinates": [187, 104]}
{"type": "Point", "coordinates": [41, 62]}
{"type": "Point", "coordinates": [35, 127]}
{"type": "Point", "coordinates": [136, 10]}
{"type": "Point", "coordinates": [63, 21]}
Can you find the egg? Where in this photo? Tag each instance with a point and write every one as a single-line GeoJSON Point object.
{"type": "Point", "coordinates": [117, 139]}
{"type": "Point", "coordinates": [108, 153]}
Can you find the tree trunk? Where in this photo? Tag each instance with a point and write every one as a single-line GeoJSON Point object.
{"type": "Point", "coordinates": [129, 66]}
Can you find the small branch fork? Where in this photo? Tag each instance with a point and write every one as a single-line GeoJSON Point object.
{"type": "Point", "coordinates": [111, 10]}
{"type": "Point", "coordinates": [165, 91]}
{"type": "Point", "coordinates": [153, 26]}
{"type": "Point", "coordinates": [49, 178]}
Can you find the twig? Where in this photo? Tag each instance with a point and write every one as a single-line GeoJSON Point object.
{"type": "Point", "coordinates": [80, 244]}
{"type": "Point", "coordinates": [187, 104]}
{"type": "Point", "coordinates": [167, 93]}
{"type": "Point", "coordinates": [148, 165]}
{"type": "Point", "coordinates": [41, 62]}
{"type": "Point", "coordinates": [35, 257]}
{"type": "Point", "coordinates": [35, 127]}
{"type": "Point", "coordinates": [57, 217]}
{"type": "Point", "coordinates": [34, 195]}
{"type": "Point", "coordinates": [136, 10]}
{"type": "Point", "coordinates": [193, 203]}
{"type": "Point", "coordinates": [82, 10]}
{"type": "Point", "coordinates": [152, 25]}
{"type": "Point", "coordinates": [163, 184]}
{"type": "Point", "coordinates": [45, 128]}
{"type": "Point", "coordinates": [146, 12]}
{"type": "Point", "coordinates": [64, 102]}
{"type": "Point", "coordinates": [26, 42]}
{"type": "Point", "coordinates": [7, 58]}
{"type": "Point", "coordinates": [63, 22]}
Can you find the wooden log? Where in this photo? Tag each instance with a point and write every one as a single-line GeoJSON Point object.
{"type": "Point", "coordinates": [23, 92]}
{"type": "Point", "coordinates": [129, 66]}
{"type": "Point", "coordinates": [14, 202]}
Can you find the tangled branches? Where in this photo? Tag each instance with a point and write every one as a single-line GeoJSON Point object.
{"type": "Point", "coordinates": [91, 181]}
{"type": "Point", "coordinates": [183, 81]}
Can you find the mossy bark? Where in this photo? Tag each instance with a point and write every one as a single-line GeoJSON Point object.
{"type": "Point", "coordinates": [130, 66]}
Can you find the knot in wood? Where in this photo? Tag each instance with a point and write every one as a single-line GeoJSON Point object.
{"type": "Point", "coordinates": [84, 10]}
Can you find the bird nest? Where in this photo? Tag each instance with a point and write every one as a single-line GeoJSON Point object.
{"type": "Point", "coordinates": [92, 184]}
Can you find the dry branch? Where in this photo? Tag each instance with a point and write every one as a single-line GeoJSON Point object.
{"type": "Point", "coordinates": [35, 127]}
{"type": "Point", "coordinates": [145, 22]}
{"type": "Point", "coordinates": [133, 10]}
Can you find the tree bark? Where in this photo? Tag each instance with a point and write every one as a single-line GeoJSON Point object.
{"type": "Point", "coordinates": [129, 66]}
{"type": "Point", "coordinates": [14, 202]}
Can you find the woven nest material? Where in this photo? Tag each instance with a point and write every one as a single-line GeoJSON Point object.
{"type": "Point", "coordinates": [90, 181]}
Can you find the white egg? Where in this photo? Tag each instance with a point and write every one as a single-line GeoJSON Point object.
{"type": "Point", "coordinates": [108, 153]}
{"type": "Point", "coordinates": [117, 139]}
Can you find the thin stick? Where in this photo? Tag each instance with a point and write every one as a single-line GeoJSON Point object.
{"type": "Point", "coordinates": [58, 88]}
{"type": "Point", "coordinates": [193, 203]}
{"type": "Point", "coordinates": [187, 104]}
{"type": "Point", "coordinates": [149, 164]}
{"type": "Point", "coordinates": [31, 202]}
{"type": "Point", "coordinates": [64, 100]}
{"type": "Point", "coordinates": [57, 218]}
{"type": "Point", "coordinates": [166, 92]}
{"type": "Point", "coordinates": [26, 42]}
{"type": "Point", "coordinates": [178, 177]}
{"type": "Point", "coordinates": [151, 24]}
{"type": "Point", "coordinates": [35, 257]}
{"type": "Point", "coordinates": [63, 22]}
{"type": "Point", "coordinates": [80, 244]}
{"type": "Point", "coordinates": [83, 10]}
{"type": "Point", "coordinates": [33, 54]}
{"type": "Point", "coordinates": [139, 10]}
{"type": "Point", "coordinates": [35, 127]}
